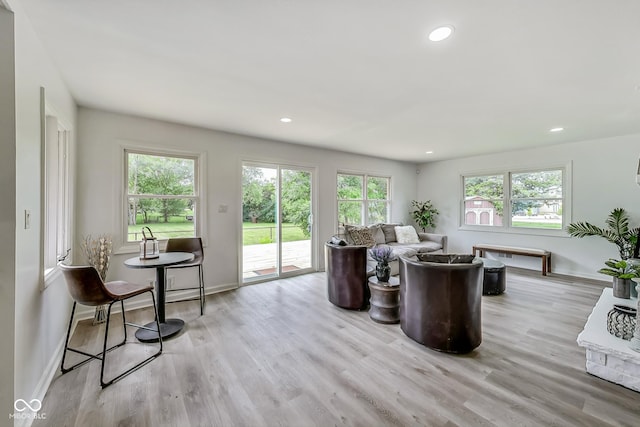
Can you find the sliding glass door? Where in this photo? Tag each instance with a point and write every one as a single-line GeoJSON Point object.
{"type": "Point", "coordinates": [277, 221]}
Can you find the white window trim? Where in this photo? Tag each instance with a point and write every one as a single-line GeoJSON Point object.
{"type": "Point", "coordinates": [365, 205]}
{"type": "Point", "coordinates": [55, 145]}
{"type": "Point", "coordinates": [506, 227]}
{"type": "Point", "coordinates": [120, 245]}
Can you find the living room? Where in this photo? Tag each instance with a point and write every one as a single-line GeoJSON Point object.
{"type": "Point", "coordinates": [34, 319]}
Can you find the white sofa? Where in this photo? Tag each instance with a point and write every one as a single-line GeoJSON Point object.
{"type": "Point", "coordinates": [385, 235]}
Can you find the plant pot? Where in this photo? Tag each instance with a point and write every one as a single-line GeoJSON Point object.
{"type": "Point", "coordinates": [383, 272]}
{"type": "Point", "coordinates": [621, 288]}
{"type": "Point", "coordinates": [634, 286]}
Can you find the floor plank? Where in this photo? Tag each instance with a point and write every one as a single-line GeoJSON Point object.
{"type": "Point", "coordinates": [279, 354]}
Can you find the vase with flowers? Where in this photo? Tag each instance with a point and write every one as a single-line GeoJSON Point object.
{"type": "Point", "coordinates": [97, 253]}
{"type": "Point", "coordinates": [382, 254]}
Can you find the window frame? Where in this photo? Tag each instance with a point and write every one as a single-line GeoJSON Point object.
{"type": "Point", "coordinates": [507, 200]}
{"type": "Point", "coordinates": [121, 243]}
{"type": "Point", "coordinates": [365, 201]}
{"type": "Point", "coordinates": [55, 215]}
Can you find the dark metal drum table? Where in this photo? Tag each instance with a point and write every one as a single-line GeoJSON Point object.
{"type": "Point", "coordinates": [494, 282]}
{"type": "Point", "coordinates": [385, 300]}
{"type": "Point", "coordinates": [168, 327]}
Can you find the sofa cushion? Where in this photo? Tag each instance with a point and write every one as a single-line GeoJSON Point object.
{"type": "Point", "coordinates": [389, 231]}
{"type": "Point", "coordinates": [422, 247]}
{"type": "Point", "coordinates": [360, 235]}
{"type": "Point", "coordinates": [404, 251]}
{"type": "Point", "coordinates": [394, 263]}
{"type": "Point", "coordinates": [378, 234]}
{"type": "Point", "coordinates": [406, 234]}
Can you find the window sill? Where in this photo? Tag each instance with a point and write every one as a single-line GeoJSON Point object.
{"type": "Point", "coordinates": [51, 275]}
{"type": "Point", "coordinates": [127, 249]}
{"type": "Point", "coordinates": [512, 230]}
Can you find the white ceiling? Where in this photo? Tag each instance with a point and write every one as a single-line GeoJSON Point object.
{"type": "Point", "coordinates": [358, 75]}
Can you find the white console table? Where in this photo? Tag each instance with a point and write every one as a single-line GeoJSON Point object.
{"type": "Point", "coordinates": [609, 357]}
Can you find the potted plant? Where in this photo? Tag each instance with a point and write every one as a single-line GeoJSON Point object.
{"type": "Point", "coordinates": [617, 232]}
{"type": "Point", "coordinates": [382, 254]}
{"type": "Point", "coordinates": [622, 273]}
{"type": "Point", "coordinates": [424, 214]}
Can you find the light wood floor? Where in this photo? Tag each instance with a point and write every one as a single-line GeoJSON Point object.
{"type": "Point", "coordinates": [279, 354]}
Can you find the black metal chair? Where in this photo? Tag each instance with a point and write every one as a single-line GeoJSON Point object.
{"type": "Point", "coordinates": [193, 245]}
{"type": "Point", "coordinates": [87, 288]}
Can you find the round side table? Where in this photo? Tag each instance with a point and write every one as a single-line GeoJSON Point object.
{"type": "Point", "coordinates": [385, 300]}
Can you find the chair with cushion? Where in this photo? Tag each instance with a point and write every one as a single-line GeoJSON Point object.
{"type": "Point", "coordinates": [193, 245]}
{"type": "Point", "coordinates": [87, 288]}
{"type": "Point", "coordinates": [346, 268]}
{"type": "Point", "coordinates": [440, 302]}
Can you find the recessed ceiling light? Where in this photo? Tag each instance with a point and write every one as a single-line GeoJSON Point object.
{"type": "Point", "coordinates": [440, 33]}
{"type": "Point", "coordinates": [558, 129]}
{"type": "Point", "coordinates": [429, 152]}
{"type": "Point", "coordinates": [286, 120]}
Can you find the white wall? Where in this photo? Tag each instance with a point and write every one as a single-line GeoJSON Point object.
{"type": "Point", "coordinates": [603, 179]}
{"type": "Point", "coordinates": [41, 316]}
{"type": "Point", "coordinates": [100, 156]}
{"type": "Point", "coordinates": [7, 211]}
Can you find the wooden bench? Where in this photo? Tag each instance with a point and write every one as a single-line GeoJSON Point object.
{"type": "Point", "coordinates": [540, 253]}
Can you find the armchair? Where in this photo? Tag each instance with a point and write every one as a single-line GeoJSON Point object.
{"type": "Point", "coordinates": [440, 304]}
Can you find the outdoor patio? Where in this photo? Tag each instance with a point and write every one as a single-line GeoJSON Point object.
{"type": "Point", "coordinates": [260, 260]}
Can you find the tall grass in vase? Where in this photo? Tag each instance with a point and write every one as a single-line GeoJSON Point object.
{"type": "Point", "coordinates": [97, 253]}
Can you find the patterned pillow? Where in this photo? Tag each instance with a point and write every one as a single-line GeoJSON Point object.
{"type": "Point", "coordinates": [406, 234]}
{"type": "Point", "coordinates": [361, 235]}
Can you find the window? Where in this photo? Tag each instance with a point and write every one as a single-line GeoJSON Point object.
{"type": "Point", "coordinates": [535, 200]}
{"type": "Point", "coordinates": [55, 176]}
{"type": "Point", "coordinates": [162, 193]}
{"type": "Point", "coordinates": [484, 200]}
{"type": "Point", "coordinates": [363, 199]}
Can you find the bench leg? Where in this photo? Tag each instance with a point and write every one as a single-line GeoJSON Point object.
{"type": "Point", "coordinates": [549, 264]}
{"type": "Point", "coordinates": [544, 265]}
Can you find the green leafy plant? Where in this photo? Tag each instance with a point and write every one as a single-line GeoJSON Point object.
{"type": "Point", "coordinates": [620, 269]}
{"type": "Point", "coordinates": [424, 214]}
{"type": "Point", "coordinates": [617, 232]}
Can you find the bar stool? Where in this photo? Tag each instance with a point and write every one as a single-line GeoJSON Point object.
{"type": "Point", "coordinates": [87, 288]}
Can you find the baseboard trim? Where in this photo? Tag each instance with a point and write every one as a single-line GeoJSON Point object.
{"type": "Point", "coordinates": [47, 377]}
{"type": "Point", "coordinates": [87, 313]}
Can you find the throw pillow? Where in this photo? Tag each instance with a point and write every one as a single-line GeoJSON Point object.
{"type": "Point", "coordinates": [361, 236]}
{"type": "Point", "coordinates": [406, 234]}
{"type": "Point", "coordinates": [389, 231]}
{"type": "Point", "coordinates": [335, 240]}
{"type": "Point", "coordinates": [447, 258]}
{"type": "Point", "coordinates": [378, 234]}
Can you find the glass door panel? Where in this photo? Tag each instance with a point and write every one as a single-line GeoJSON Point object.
{"type": "Point", "coordinates": [277, 222]}
{"type": "Point", "coordinates": [297, 219]}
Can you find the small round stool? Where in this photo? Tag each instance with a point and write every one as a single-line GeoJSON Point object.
{"type": "Point", "coordinates": [494, 282]}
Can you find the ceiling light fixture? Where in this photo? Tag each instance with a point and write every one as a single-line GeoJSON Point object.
{"type": "Point", "coordinates": [558, 129]}
{"type": "Point", "coordinates": [440, 33]}
{"type": "Point", "coordinates": [286, 120]}
{"type": "Point", "coordinates": [429, 152]}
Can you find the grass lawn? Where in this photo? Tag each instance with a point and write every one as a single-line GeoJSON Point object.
{"type": "Point", "coordinates": [252, 234]}
{"type": "Point", "coordinates": [265, 232]}
{"type": "Point", "coordinates": [162, 230]}
{"type": "Point", "coordinates": [547, 225]}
